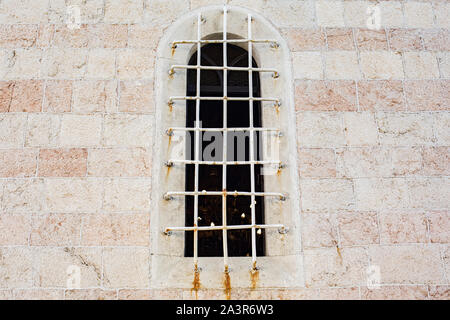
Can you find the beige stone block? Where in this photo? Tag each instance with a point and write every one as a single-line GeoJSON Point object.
{"type": "Point", "coordinates": [65, 63]}
{"type": "Point", "coordinates": [12, 130]}
{"type": "Point", "coordinates": [101, 64]}
{"type": "Point", "coordinates": [150, 294]}
{"type": "Point", "coordinates": [45, 35]}
{"type": "Point", "coordinates": [108, 35]}
{"type": "Point", "coordinates": [442, 12]}
{"type": "Point", "coordinates": [418, 14]}
{"type": "Point", "coordinates": [55, 230]}
{"type": "Point", "coordinates": [127, 194]}
{"type": "Point", "coordinates": [56, 267]}
{"type": "Point", "coordinates": [16, 267]}
{"type": "Point", "coordinates": [22, 64]}
{"type": "Point", "coordinates": [441, 125]}
{"type": "Point", "coordinates": [126, 267]}
{"type": "Point", "coordinates": [409, 264]}
{"type": "Point", "coordinates": [405, 129]}
{"type": "Point", "coordinates": [38, 294]}
{"type": "Point", "coordinates": [135, 64]}
{"type": "Point", "coordinates": [421, 65]}
{"type": "Point", "coordinates": [335, 267]}
{"type": "Point", "coordinates": [405, 39]}
{"type": "Point", "coordinates": [6, 295]}
{"type": "Point", "coordinates": [381, 193]}
{"type": "Point", "coordinates": [17, 163]}
{"type": "Point", "coordinates": [81, 130]}
{"type": "Point", "coordinates": [340, 39]}
{"type": "Point", "coordinates": [429, 193]}
{"type": "Point", "coordinates": [439, 292]}
{"type": "Point", "coordinates": [319, 230]}
{"type": "Point", "coordinates": [6, 92]}
{"type": "Point", "coordinates": [163, 12]}
{"type": "Point", "coordinates": [307, 65]}
{"type": "Point", "coordinates": [436, 161]}
{"type": "Point", "coordinates": [90, 294]}
{"type": "Point", "coordinates": [295, 294]}
{"type": "Point", "coordinates": [123, 11]}
{"type": "Point", "coordinates": [381, 95]}
{"type": "Point", "coordinates": [427, 95]}
{"type": "Point", "coordinates": [435, 39]}
{"type": "Point", "coordinates": [91, 11]}
{"type": "Point", "coordinates": [320, 129]}
{"type": "Point", "coordinates": [42, 130]}
{"type": "Point", "coordinates": [399, 227]}
{"type": "Point", "coordinates": [360, 129]}
{"type": "Point", "coordinates": [341, 65]}
{"type": "Point", "coordinates": [74, 195]}
{"type": "Point", "coordinates": [407, 161]}
{"type": "Point", "coordinates": [364, 162]}
{"type": "Point", "coordinates": [130, 162]}
{"type": "Point", "coordinates": [338, 95]}
{"type": "Point", "coordinates": [24, 195]}
{"type": "Point", "coordinates": [330, 13]}
{"type": "Point", "coordinates": [326, 195]}
{"type": "Point", "coordinates": [62, 162]}
{"type": "Point", "coordinates": [355, 13]}
{"type": "Point", "coordinates": [339, 293]}
{"type": "Point", "coordinates": [128, 130]}
{"type": "Point", "coordinates": [319, 163]}
{"type": "Point", "coordinates": [116, 230]}
{"type": "Point", "coordinates": [144, 36]}
{"type": "Point", "coordinates": [358, 228]}
{"type": "Point", "coordinates": [14, 229]}
{"type": "Point", "coordinates": [395, 293]}
{"type": "Point", "coordinates": [94, 97]}
{"type": "Point", "coordinates": [66, 36]}
{"type": "Point", "coordinates": [27, 96]}
{"type": "Point", "coordinates": [136, 96]}
{"type": "Point", "coordinates": [391, 13]}
{"type": "Point", "coordinates": [371, 40]}
{"type": "Point", "coordinates": [439, 223]}
{"type": "Point", "coordinates": [17, 36]}
{"type": "Point", "coordinates": [58, 96]}
{"type": "Point", "coordinates": [289, 13]}
{"type": "Point", "coordinates": [305, 39]}
{"type": "Point", "coordinates": [381, 65]}
{"type": "Point", "coordinates": [23, 11]}
{"type": "Point", "coordinates": [444, 63]}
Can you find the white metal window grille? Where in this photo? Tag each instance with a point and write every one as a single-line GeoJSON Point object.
{"type": "Point", "coordinates": [197, 129]}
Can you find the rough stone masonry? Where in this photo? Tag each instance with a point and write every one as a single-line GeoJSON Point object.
{"type": "Point", "coordinates": [77, 129]}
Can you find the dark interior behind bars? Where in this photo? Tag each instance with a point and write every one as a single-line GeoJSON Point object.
{"type": "Point", "coordinates": [210, 176]}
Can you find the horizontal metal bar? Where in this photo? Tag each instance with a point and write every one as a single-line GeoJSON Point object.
{"type": "Point", "coordinates": [232, 227]}
{"type": "Point", "coordinates": [276, 100]}
{"type": "Point", "coordinates": [179, 66]}
{"type": "Point", "coordinates": [170, 130]}
{"type": "Point", "coordinates": [272, 42]}
{"type": "Point", "coordinates": [168, 195]}
{"type": "Point", "coordinates": [171, 162]}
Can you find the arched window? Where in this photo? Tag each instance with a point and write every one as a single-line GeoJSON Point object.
{"type": "Point", "coordinates": [210, 177]}
{"type": "Point", "coordinates": [223, 206]}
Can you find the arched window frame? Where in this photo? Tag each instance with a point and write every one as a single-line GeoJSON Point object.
{"type": "Point", "coordinates": [283, 264]}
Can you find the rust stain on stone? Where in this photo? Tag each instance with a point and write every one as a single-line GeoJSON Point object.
{"type": "Point", "coordinates": [254, 276]}
{"type": "Point", "coordinates": [196, 283]}
{"type": "Point", "coordinates": [227, 283]}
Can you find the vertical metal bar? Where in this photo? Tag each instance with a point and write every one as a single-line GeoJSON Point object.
{"type": "Point", "coordinates": [252, 131]}
{"type": "Point", "coordinates": [225, 136]}
{"type": "Point", "coordinates": [197, 142]}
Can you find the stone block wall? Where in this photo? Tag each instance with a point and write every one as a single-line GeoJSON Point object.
{"type": "Point", "coordinates": [77, 129]}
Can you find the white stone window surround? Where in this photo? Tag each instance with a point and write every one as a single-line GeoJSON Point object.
{"type": "Point", "coordinates": [282, 266]}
